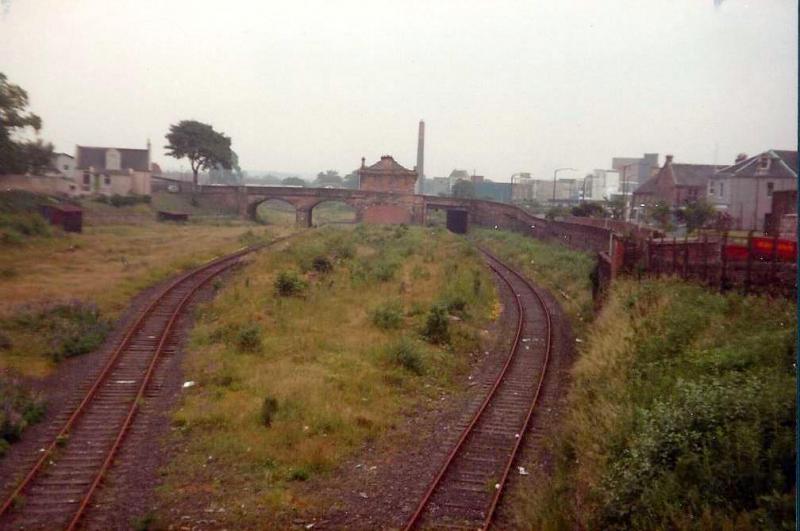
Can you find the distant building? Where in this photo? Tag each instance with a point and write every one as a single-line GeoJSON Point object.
{"type": "Point", "coordinates": [437, 186]}
{"type": "Point", "coordinates": [109, 171]}
{"type": "Point", "coordinates": [634, 171]}
{"type": "Point", "coordinates": [386, 175]}
{"type": "Point", "coordinates": [675, 184]}
{"type": "Point", "coordinates": [62, 165]}
{"type": "Point", "coordinates": [601, 185]}
{"type": "Point", "coordinates": [493, 191]}
{"type": "Point", "coordinates": [745, 189]}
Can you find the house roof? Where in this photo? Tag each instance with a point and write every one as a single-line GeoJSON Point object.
{"type": "Point", "coordinates": [387, 165]}
{"type": "Point", "coordinates": [648, 187]}
{"type": "Point", "coordinates": [784, 165]}
{"type": "Point", "coordinates": [95, 157]}
{"type": "Point", "coordinates": [693, 174]}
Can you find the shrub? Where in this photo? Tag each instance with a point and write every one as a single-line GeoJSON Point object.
{"type": "Point", "coordinates": [70, 328]}
{"type": "Point", "coordinates": [406, 354]}
{"type": "Point", "coordinates": [388, 316]}
{"type": "Point", "coordinates": [5, 342]}
{"type": "Point", "coordinates": [269, 407]}
{"type": "Point", "coordinates": [249, 338]}
{"type": "Point", "coordinates": [19, 408]}
{"type": "Point", "coordinates": [289, 283]}
{"type": "Point", "coordinates": [384, 270]}
{"type": "Point", "coordinates": [321, 264]}
{"type": "Point", "coordinates": [299, 474]}
{"type": "Point", "coordinates": [436, 329]}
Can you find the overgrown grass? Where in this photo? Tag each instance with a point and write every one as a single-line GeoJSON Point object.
{"type": "Point", "coordinates": [681, 416]}
{"type": "Point", "coordinates": [105, 264]}
{"type": "Point", "coordinates": [562, 271]}
{"type": "Point", "coordinates": [20, 219]}
{"type": "Point", "coordinates": [19, 408]}
{"type": "Point", "coordinates": [326, 378]}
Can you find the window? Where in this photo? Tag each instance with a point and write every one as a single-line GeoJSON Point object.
{"type": "Point", "coordinates": [770, 189]}
{"type": "Point", "coordinates": [763, 163]}
{"type": "Point", "coordinates": [66, 166]}
{"type": "Point", "coordinates": [86, 178]}
{"type": "Point", "coordinates": [721, 189]}
{"type": "Point", "coordinates": [106, 180]}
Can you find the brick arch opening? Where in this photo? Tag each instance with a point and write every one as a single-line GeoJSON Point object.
{"type": "Point", "coordinates": [273, 211]}
{"type": "Point", "coordinates": [333, 211]}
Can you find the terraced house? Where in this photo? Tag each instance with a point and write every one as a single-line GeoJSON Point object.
{"type": "Point", "coordinates": [745, 189]}
{"type": "Point", "coordinates": [109, 170]}
{"type": "Point", "coordinates": [675, 184]}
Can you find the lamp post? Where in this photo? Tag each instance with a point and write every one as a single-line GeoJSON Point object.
{"type": "Point", "coordinates": [555, 172]}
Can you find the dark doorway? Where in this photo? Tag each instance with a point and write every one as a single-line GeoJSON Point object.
{"type": "Point", "coordinates": [457, 221]}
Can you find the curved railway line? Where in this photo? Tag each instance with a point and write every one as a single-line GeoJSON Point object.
{"type": "Point", "coordinates": [58, 487]}
{"type": "Point", "coordinates": [467, 488]}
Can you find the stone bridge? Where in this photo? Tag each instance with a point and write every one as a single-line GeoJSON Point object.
{"type": "Point", "coordinates": [369, 206]}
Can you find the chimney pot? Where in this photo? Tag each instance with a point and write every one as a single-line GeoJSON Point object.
{"type": "Point", "coordinates": [363, 162]}
{"type": "Point", "coordinates": [669, 159]}
{"type": "Point", "coordinates": [740, 157]}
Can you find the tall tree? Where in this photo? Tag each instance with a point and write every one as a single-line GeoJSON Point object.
{"type": "Point", "coordinates": [18, 156]}
{"type": "Point", "coordinates": [293, 181]}
{"type": "Point", "coordinates": [198, 142]}
{"type": "Point", "coordinates": [328, 178]}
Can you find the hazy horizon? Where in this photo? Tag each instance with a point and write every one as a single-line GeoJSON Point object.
{"type": "Point", "coordinates": [503, 87]}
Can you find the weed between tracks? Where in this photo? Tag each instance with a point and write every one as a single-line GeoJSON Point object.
{"type": "Point", "coordinates": [327, 375]}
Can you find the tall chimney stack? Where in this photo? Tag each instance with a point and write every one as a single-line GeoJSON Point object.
{"type": "Point", "coordinates": [419, 187]}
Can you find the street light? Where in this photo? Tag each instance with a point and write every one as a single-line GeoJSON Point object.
{"type": "Point", "coordinates": [555, 172]}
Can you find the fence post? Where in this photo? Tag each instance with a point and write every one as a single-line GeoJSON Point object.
{"type": "Point", "coordinates": [705, 258]}
{"type": "Point", "coordinates": [773, 281]}
{"type": "Point", "coordinates": [649, 254]}
{"type": "Point", "coordinates": [674, 255]}
{"type": "Point", "coordinates": [686, 255]}
{"type": "Point", "coordinates": [749, 269]}
{"type": "Point", "coordinates": [723, 274]}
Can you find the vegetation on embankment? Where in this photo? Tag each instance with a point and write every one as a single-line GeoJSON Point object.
{"type": "Point", "coordinates": [681, 416]}
{"type": "Point", "coordinates": [20, 219]}
{"type": "Point", "coordinates": [102, 268]}
{"type": "Point", "coordinates": [310, 352]}
{"type": "Point", "coordinates": [565, 273]}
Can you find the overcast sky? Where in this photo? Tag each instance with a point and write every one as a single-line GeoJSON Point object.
{"type": "Point", "coordinates": [503, 86]}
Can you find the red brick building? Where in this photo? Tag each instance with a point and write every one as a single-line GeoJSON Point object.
{"type": "Point", "coordinates": [386, 175]}
{"type": "Point", "coordinates": [675, 184]}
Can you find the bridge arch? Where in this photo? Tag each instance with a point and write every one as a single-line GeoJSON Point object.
{"type": "Point", "coordinates": [272, 211]}
{"type": "Point", "coordinates": [334, 211]}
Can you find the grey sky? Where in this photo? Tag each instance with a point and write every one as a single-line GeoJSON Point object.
{"type": "Point", "coordinates": [504, 86]}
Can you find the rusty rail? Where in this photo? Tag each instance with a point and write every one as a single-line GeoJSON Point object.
{"type": "Point", "coordinates": [492, 395]}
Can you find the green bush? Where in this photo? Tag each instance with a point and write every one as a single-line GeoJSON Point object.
{"type": "Point", "coordinates": [322, 264]}
{"type": "Point", "coordinates": [289, 284]}
{"type": "Point", "coordinates": [269, 407]}
{"type": "Point", "coordinates": [436, 329]}
{"type": "Point", "coordinates": [248, 339]}
{"type": "Point", "coordinates": [19, 408]}
{"type": "Point", "coordinates": [406, 354]}
{"type": "Point", "coordinates": [388, 316]}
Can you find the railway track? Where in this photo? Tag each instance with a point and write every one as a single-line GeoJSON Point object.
{"type": "Point", "coordinates": [59, 485]}
{"type": "Point", "coordinates": [467, 488]}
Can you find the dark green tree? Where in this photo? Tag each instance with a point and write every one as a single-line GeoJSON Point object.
{"type": "Point", "coordinates": [661, 214]}
{"type": "Point", "coordinates": [350, 180]}
{"type": "Point", "coordinates": [464, 189]}
{"type": "Point", "coordinates": [293, 181]}
{"type": "Point", "coordinates": [697, 214]}
{"type": "Point", "coordinates": [19, 156]}
{"type": "Point", "coordinates": [328, 178]}
{"type": "Point", "coordinates": [205, 148]}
